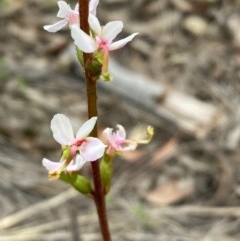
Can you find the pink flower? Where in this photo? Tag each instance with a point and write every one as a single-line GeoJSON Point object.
{"type": "Point", "coordinates": [70, 16]}
{"type": "Point", "coordinates": [76, 150]}
{"type": "Point", "coordinates": [102, 38]}
{"type": "Point", "coordinates": [117, 140]}
{"type": "Point", "coordinates": [119, 143]}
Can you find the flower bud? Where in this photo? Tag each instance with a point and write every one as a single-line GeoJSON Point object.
{"type": "Point", "coordinates": [80, 183]}
{"type": "Point", "coordinates": [106, 172]}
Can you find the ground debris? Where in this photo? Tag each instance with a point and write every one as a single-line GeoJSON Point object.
{"type": "Point", "coordinates": [187, 52]}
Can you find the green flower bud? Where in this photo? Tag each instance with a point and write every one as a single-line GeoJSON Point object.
{"type": "Point", "coordinates": [80, 56]}
{"type": "Point", "coordinates": [106, 169]}
{"type": "Point", "coordinates": [94, 66]}
{"type": "Point", "coordinates": [80, 183]}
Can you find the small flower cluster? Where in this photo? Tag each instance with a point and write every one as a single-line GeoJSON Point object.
{"type": "Point", "coordinates": [76, 151]}
{"type": "Point", "coordinates": [80, 149]}
{"type": "Point", "coordinates": [100, 41]}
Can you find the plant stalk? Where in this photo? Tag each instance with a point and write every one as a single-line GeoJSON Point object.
{"type": "Point", "coordinates": [92, 111]}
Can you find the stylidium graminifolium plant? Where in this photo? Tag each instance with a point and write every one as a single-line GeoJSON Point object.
{"type": "Point", "coordinates": [93, 46]}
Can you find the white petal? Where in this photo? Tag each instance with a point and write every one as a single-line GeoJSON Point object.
{"type": "Point", "coordinates": [108, 134]}
{"type": "Point", "coordinates": [83, 41]}
{"type": "Point", "coordinates": [62, 129]}
{"type": "Point", "coordinates": [76, 164]}
{"type": "Point", "coordinates": [64, 8]}
{"type": "Point", "coordinates": [56, 27]}
{"type": "Point", "coordinates": [86, 128]}
{"type": "Point", "coordinates": [50, 165]}
{"type": "Point", "coordinates": [93, 6]}
{"type": "Point", "coordinates": [76, 9]}
{"type": "Point", "coordinates": [111, 30]}
{"type": "Point", "coordinates": [92, 149]}
{"type": "Point", "coordinates": [121, 131]}
{"type": "Point", "coordinates": [94, 24]}
{"type": "Point", "coordinates": [119, 44]}
{"type": "Point", "coordinates": [129, 146]}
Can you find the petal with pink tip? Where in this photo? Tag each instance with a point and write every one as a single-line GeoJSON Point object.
{"type": "Point", "coordinates": [62, 129]}
{"type": "Point", "coordinates": [86, 128]}
{"type": "Point", "coordinates": [56, 27]}
{"type": "Point", "coordinates": [92, 149]}
{"type": "Point", "coordinates": [111, 30]}
{"type": "Point", "coordinates": [83, 41]}
{"type": "Point", "coordinates": [119, 44]}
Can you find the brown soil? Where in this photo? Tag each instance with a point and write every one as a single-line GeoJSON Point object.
{"type": "Point", "coordinates": [181, 187]}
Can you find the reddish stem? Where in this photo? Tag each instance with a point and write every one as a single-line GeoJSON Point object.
{"type": "Point", "coordinates": [92, 111]}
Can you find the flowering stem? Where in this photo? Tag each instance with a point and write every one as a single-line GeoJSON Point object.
{"type": "Point", "coordinates": [92, 111]}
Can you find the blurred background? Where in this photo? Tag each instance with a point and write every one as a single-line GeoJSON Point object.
{"type": "Point", "coordinates": [181, 75]}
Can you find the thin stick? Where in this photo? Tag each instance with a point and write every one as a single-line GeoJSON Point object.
{"type": "Point", "coordinates": [57, 200]}
{"type": "Point", "coordinates": [92, 111]}
{"type": "Point", "coordinates": [204, 211]}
